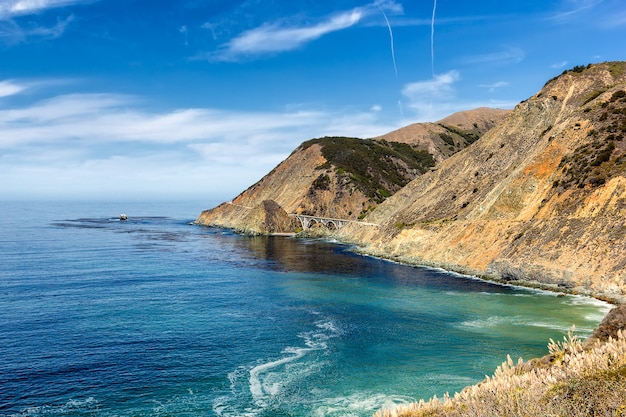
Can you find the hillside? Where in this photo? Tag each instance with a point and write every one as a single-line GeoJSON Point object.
{"type": "Point", "coordinates": [451, 134]}
{"type": "Point", "coordinates": [540, 199]}
{"type": "Point", "coordinates": [346, 177]}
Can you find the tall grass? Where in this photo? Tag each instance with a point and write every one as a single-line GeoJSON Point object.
{"type": "Point", "coordinates": [574, 379]}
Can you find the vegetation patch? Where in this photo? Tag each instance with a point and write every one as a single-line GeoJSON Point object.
{"type": "Point", "coordinates": [593, 95]}
{"type": "Point", "coordinates": [377, 168]}
{"type": "Point", "coordinates": [447, 139]}
{"type": "Point", "coordinates": [468, 136]}
{"type": "Point", "coordinates": [322, 182]}
{"type": "Point", "coordinates": [602, 156]}
{"type": "Point", "coordinates": [616, 69]}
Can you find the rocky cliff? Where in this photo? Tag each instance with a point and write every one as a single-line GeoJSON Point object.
{"type": "Point", "coordinates": [539, 199]}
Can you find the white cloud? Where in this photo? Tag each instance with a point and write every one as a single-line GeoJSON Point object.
{"type": "Point", "coordinates": [271, 38]}
{"type": "Point", "coordinates": [494, 86]}
{"type": "Point", "coordinates": [438, 89]}
{"type": "Point", "coordinates": [559, 65]}
{"type": "Point", "coordinates": [614, 17]}
{"type": "Point", "coordinates": [14, 33]}
{"type": "Point", "coordinates": [9, 8]}
{"type": "Point", "coordinates": [434, 99]}
{"type": "Point", "coordinates": [571, 9]}
{"type": "Point", "coordinates": [280, 37]}
{"type": "Point", "coordinates": [9, 88]}
{"type": "Point", "coordinates": [431, 99]}
{"type": "Point", "coordinates": [106, 143]}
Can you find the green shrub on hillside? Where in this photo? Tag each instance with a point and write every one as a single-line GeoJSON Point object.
{"type": "Point", "coordinates": [447, 139]}
{"type": "Point", "coordinates": [377, 168]}
{"type": "Point", "coordinates": [601, 158]}
{"type": "Point", "coordinates": [469, 136]}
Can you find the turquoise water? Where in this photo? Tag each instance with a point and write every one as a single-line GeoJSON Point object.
{"type": "Point", "coordinates": [157, 317]}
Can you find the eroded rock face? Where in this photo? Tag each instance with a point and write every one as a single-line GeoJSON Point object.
{"type": "Point", "coordinates": [266, 218]}
{"type": "Point", "coordinates": [613, 322]}
{"type": "Point", "coordinates": [275, 219]}
{"type": "Point", "coordinates": [539, 198]}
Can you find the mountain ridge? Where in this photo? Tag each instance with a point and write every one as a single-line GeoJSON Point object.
{"type": "Point", "coordinates": [348, 177]}
{"type": "Point", "coordinates": [507, 208]}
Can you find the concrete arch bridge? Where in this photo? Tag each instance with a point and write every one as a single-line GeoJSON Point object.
{"type": "Point", "coordinates": [328, 222]}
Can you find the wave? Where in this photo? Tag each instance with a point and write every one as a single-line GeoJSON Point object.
{"type": "Point", "coordinates": [578, 300]}
{"type": "Point", "coordinates": [267, 379]}
{"type": "Point", "coordinates": [523, 321]}
{"type": "Point", "coordinates": [267, 383]}
{"type": "Point", "coordinates": [88, 405]}
{"type": "Point", "coordinates": [358, 404]}
{"type": "Point", "coordinates": [262, 388]}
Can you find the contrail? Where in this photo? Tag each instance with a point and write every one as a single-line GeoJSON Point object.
{"type": "Point", "coordinates": [432, 39]}
{"type": "Point", "coordinates": [393, 54]}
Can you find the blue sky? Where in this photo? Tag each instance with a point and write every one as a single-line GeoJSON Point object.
{"type": "Point", "coordinates": [198, 99]}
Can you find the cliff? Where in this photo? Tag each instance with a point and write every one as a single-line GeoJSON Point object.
{"type": "Point", "coordinates": [539, 199]}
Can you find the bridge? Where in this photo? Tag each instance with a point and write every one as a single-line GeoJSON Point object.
{"type": "Point", "coordinates": [308, 221]}
{"type": "Point", "coordinates": [328, 222]}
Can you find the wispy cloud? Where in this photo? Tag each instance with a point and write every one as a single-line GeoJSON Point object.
{"type": "Point", "coordinates": [615, 17]}
{"type": "Point", "coordinates": [9, 88]}
{"type": "Point", "coordinates": [571, 9]}
{"type": "Point", "coordinates": [436, 98]}
{"type": "Point", "coordinates": [604, 14]}
{"type": "Point", "coordinates": [494, 86]}
{"type": "Point", "coordinates": [12, 32]}
{"type": "Point", "coordinates": [558, 65]}
{"type": "Point", "coordinates": [430, 99]}
{"type": "Point", "coordinates": [439, 88]}
{"type": "Point", "coordinates": [507, 56]}
{"type": "Point", "coordinates": [87, 141]}
{"type": "Point", "coordinates": [10, 8]}
{"type": "Point", "coordinates": [271, 38]}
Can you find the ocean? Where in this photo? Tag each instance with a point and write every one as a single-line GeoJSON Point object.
{"type": "Point", "coordinates": [155, 316]}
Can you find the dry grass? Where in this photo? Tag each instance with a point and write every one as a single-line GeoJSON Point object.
{"type": "Point", "coordinates": [575, 379]}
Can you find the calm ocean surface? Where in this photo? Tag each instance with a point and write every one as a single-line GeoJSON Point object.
{"type": "Point", "coordinates": [157, 317]}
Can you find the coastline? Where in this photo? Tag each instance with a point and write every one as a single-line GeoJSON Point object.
{"type": "Point", "coordinates": [530, 284]}
{"type": "Point", "coordinates": [606, 308]}
{"type": "Point", "coordinates": [613, 299]}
